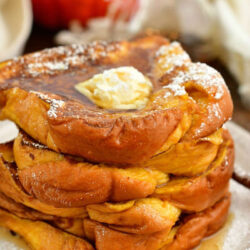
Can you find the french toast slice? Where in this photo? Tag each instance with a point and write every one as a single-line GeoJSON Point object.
{"type": "Point", "coordinates": [40, 235]}
{"type": "Point", "coordinates": [67, 178]}
{"type": "Point", "coordinates": [142, 216]}
{"type": "Point", "coordinates": [22, 211]}
{"type": "Point", "coordinates": [38, 92]}
{"type": "Point", "coordinates": [197, 193]}
{"type": "Point", "coordinates": [187, 234]}
{"type": "Point", "coordinates": [73, 182]}
{"type": "Point", "coordinates": [10, 187]}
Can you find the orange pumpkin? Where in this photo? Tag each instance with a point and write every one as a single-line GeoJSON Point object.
{"type": "Point", "coordinates": [56, 14]}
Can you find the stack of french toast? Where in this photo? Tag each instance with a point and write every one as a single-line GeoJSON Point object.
{"type": "Point", "coordinates": [121, 146]}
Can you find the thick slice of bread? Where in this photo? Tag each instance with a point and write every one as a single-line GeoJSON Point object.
{"type": "Point", "coordinates": [38, 93]}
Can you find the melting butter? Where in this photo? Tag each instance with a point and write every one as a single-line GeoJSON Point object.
{"type": "Point", "coordinates": [117, 88]}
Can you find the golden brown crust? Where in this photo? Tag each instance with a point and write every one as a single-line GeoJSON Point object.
{"type": "Point", "coordinates": [63, 181]}
{"type": "Point", "coordinates": [189, 234]}
{"type": "Point", "coordinates": [106, 238]}
{"type": "Point", "coordinates": [142, 216]}
{"type": "Point", "coordinates": [196, 227]}
{"type": "Point", "coordinates": [22, 211]}
{"type": "Point", "coordinates": [66, 185]}
{"type": "Point", "coordinates": [70, 225]}
{"type": "Point", "coordinates": [198, 193]}
{"type": "Point", "coordinates": [191, 230]}
{"type": "Point", "coordinates": [194, 157]}
{"type": "Point", "coordinates": [10, 187]}
{"type": "Point", "coordinates": [6, 151]}
{"type": "Point", "coordinates": [40, 235]}
{"type": "Point", "coordinates": [73, 125]}
{"type": "Point", "coordinates": [69, 183]}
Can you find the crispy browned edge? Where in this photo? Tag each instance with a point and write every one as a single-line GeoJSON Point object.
{"type": "Point", "coordinates": [192, 229]}
{"type": "Point", "coordinates": [196, 195]}
{"type": "Point", "coordinates": [100, 137]}
{"type": "Point", "coordinates": [201, 194]}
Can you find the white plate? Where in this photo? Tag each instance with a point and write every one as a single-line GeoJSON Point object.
{"type": "Point", "coordinates": [234, 236]}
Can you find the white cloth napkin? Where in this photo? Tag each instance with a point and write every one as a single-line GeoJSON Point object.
{"type": "Point", "coordinates": [15, 26]}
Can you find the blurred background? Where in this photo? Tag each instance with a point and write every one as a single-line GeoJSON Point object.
{"type": "Point", "coordinates": [213, 31]}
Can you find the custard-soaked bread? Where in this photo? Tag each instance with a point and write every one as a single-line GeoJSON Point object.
{"type": "Point", "coordinates": [70, 225]}
{"type": "Point", "coordinates": [22, 211]}
{"type": "Point", "coordinates": [191, 230]}
{"type": "Point", "coordinates": [6, 151]}
{"type": "Point", "coordinates": [11, 187]}
{"type": "Point", "coordinates": [198, 193]}
{"type": "Point", "coordinates": [71, 178]}
{"type": "Point", "coordinates": [145, 223]}
{"type": "Point", "coordinates": [187, 157]}
{"type": "Point", "coordinates": [141, 216]}
{"type": "Point", "coordinates": [49, 95]}
{"type": "Point", "coordinates": [71, 182]}
{"type": "Point", "coordinates": [40, 235]}
{"type": "Point", "coordinates": [39, 167]}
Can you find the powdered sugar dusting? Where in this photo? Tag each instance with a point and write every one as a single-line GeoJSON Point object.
{"type": "Point", "coordinates": [208, 78]}
{"type": "Point", "coordinates": [53, 108]}
{"type": "Point", "coordinates": [216, 110]}
{"type": "Point", "coordinates": [52, 61]}
{"type": "Point", "coordinates": [200, 129]}
{"type": "Point", "coordinates": [171, 56]}
{"type": "Point", "coordinates": [203, 77]}
{"type": "Point", "coordinates": [48, 67]}
{"type": "Point", "coordinates": [176, 89]}
{"type": "Point", "coordinates": [54, 103]}
{"type": "Point", "coordinates": [33, 143]}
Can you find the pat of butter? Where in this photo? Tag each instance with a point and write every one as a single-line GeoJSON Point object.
{"type": "Point", "coordinates": [117, 88]}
